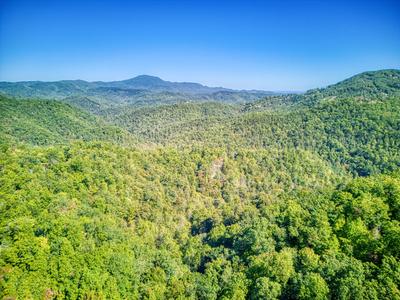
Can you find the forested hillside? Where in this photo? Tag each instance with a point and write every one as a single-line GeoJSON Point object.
{"type": "Point", "coordinates": [365, 86]}
{"type": "Point", "coordinates": [42, 122]}
{"type": "Point", "coordinates": [362, 136]}
{"type": "Point", "coordinates": [289, 197]}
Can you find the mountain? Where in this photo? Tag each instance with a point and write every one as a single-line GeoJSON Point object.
{"type": "Point", "coordinates": [140, 90]}
{"type": "Point", "coordinates": [47, 90]}
{"type": "Point", "coordinates": [146, 82]}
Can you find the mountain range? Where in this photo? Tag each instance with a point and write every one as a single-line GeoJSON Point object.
{"type": "Point", "coordinates": [140, 90]}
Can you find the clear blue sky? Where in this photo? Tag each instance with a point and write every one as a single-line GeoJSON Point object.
{"type": "Point", "coordinates": [272, 45]}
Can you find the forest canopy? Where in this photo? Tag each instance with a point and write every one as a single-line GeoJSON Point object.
{"type": "Point", "coordinates": [287, 197]}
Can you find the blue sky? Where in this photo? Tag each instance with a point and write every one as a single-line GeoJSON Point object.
{"type": "Point", "coordinates": [272, 45]}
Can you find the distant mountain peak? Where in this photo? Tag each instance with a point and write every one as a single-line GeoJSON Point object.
{"type": "Point", "coordinates": [145, 79]}
{"type": "Point", "coordinates": [154, 83]}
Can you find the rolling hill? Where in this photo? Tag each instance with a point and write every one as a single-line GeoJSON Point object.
{"type": "Point", "coordinates": [367, 86]}
{"type": "Point", "coordinates": [44, 122]}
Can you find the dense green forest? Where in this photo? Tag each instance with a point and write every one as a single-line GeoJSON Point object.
{"type": "Point", "coordinates": [286, 197]}
{"type": "Point", "coordinates": [43, 122]}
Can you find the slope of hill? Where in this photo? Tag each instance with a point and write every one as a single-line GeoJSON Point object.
{"type": "Point", "coordinates": [362, 136]}
{"type": "Point", "coordinates": [367, 86]}
{"type": "Point", "coordinates": [42, 122]}
{"type": "Point", "coordinates": [158, 124]}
